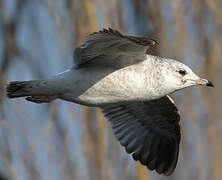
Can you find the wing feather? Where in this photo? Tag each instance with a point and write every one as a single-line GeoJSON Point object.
{"type": "Point", "coordinates": [110, 47]}
{"type": "Point", "coordinates": [149, 130]}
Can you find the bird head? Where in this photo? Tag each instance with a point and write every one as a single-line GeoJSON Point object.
{"type": "Point", "coordinates": [178, 76]}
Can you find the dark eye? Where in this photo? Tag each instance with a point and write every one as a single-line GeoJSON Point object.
{"type": "Point", "coordinates": [182, 72]}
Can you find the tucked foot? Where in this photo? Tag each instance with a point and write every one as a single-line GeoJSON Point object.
{"type": "Point", "coordinates": [41, 99]}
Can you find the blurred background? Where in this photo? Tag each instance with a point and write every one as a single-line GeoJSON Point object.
{"type": "Point", "coordinates": [63, 140]}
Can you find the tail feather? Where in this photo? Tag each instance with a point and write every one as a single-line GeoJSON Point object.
{"type": "Point", "coordinates": [37, 91]}
{"type": "Point", "coordinates": [18, 89]}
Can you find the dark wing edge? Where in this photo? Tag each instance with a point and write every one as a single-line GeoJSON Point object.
{"type": "Point", "coordinates": [112, 44]}
{"type": "Point", "coordinates": [149, 131]}
{"type": "Point", "coordinates": [140, 40]}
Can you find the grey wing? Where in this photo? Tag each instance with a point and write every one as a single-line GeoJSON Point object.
{"type": "Point", "coordinates": [110, 47]}
{"type": "Point", "coordinates": [149, 130]}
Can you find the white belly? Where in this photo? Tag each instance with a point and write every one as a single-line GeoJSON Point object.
{"type": "Point", "coordinates": [128, 84]}
{"type": "Point", "coordinates": [95, 86]}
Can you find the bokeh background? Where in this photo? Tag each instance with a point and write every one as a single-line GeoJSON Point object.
{"type": "Point", "coordinates": [63, 140]}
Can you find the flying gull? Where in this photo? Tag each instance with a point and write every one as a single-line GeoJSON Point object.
{"type": "Point", "coordinates": [114, 72]}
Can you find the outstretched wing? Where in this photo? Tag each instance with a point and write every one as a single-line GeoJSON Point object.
{"type": "Point", "coordinates": [110, 47]}
{"type": "Point", "coordinates": [149, 130]}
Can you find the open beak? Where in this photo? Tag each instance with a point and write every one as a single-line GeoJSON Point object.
{"type": "Point", "coordinates": [204, 82]}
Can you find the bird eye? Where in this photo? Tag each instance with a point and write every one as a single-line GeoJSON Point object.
{"type": "Point", "coordinates": [182, 72]}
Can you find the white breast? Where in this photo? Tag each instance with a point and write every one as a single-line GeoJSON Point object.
{"type": "Point", "coordinates": [127, 84]}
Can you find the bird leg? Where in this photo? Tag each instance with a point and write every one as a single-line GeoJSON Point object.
{"type": "Point", "coordinates": [42, 99]}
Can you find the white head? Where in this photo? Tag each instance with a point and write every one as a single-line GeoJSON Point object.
{"type": "Point", "coordinates": [177, 76]}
